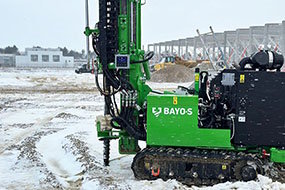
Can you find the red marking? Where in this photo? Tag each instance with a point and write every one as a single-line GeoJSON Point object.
{"type": "Point", "coordinates": [230, 57]}
{"type": "Point", "coordinates": [208, 83]}
{"type": "Point", "coordinates": [265, 154]}
{"type": "Point", "coordinates": [93, 67]}
{"type": "Point", "coordinates": [155, 174]}
{"type": "Point", "coordinates": [244, 52]}
{"type": "Point", "coordinates": [276, 48]}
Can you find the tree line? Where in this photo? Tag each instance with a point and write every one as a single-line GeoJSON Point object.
{"type": "Point", "coordinates": [72, 53]}
{"type": "Point", "coordinates": [10, 50]}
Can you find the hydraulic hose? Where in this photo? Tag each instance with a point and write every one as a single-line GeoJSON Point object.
{"type": "Point", "coordinates": [132, 131]}
{"type": "Point", "coordinates": [244, 62]}
{"type": "Point", "coordinates": [102, 91]}
{"type": "Point", "coordinates": [94, 44]}
{"type": "Point", "coordinates": [148, 57]}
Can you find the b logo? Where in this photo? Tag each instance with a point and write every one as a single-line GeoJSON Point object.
{"type": "Point", "coordinates": [157, 111]}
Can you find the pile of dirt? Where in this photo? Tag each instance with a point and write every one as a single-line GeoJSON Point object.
{"type": "Point", "coordinates": [173, 73]}
{"type": "Point", "coordinates": [178, 73]}
{"type": "Point", "coordinates": [205, 66]}
{"type": "Point", "coordinates": [189, 64]}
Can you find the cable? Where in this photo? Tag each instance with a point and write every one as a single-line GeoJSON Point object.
{"type": "Point", "coordinates": [148, 57]}
{"type": "Point", "coordinates": [131, 130]}
{"type": "Point", "coordinates": [99, 87]}
{"type": "Point", "coordinates": [233, 134]}
{"type": "Point", "coordinates": [102, 91]}
{"type": "Point", "coordinates": [94, 43]}
{"type": "Point", "coordinates": [156, 92]}
{"type": "Point", "coordinates": [115, 103]}
{"type": "Point", "coordinates": [126, 120]}
{"type": "Point", "coordinates": [112, 78]}
{"type": "Point", "coordinates": [126, 82]}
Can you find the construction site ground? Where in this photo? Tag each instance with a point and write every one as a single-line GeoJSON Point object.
{"type": "Point", "coordinates": [48, 138]}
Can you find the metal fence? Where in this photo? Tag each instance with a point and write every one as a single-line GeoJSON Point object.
{"type": "Point", "coordinates": [231, 46]}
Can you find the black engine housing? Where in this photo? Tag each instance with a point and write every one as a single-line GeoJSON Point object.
{"type": "Point", "coordinates": [257, 99]}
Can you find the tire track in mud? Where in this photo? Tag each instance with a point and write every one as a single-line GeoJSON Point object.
{"type": "Point", "coordinates": [26, 144]}
{"type": "Point", "coordinates": [28, 151]}
{"type": "Point", "coordinates": [22, 143]}
{"type": "Point", "coordinates": [61, 141]}
{"type": "Point", "coordinates": [36, 126]}
{"type": "Point", "coordinates": [70, 173]}
{"type": "Point", "coordinates": [29, 157]}
{"type": "Point", "coordinates": [88, 162]}
{"type": "Point", "coordinates": [93, 169]}
{"type": "Point", "coordinates": [61, 163]}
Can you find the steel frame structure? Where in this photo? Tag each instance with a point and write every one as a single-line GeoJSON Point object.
{"type": "Point", "coordinates": [232, 45]}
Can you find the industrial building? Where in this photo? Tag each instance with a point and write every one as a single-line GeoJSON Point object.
{"type": "Point", "coordinates": [44, 58]}
{"type": "Point", "coordinates": [7, 60]}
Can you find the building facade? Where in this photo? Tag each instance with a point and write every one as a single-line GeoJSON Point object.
{"type": "Point", "coordinates": [7, 60]}
{"type": "Point", "coordinates": [44, 58]}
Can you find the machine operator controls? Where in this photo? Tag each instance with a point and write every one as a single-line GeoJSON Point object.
{"type": "Point", "coordinates": [122, 61]}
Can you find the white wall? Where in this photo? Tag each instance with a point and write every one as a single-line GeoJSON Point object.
{"type": "Point", "coordinates": [7, 60]}
{"type": "Point", "coordinates": [34, 57]}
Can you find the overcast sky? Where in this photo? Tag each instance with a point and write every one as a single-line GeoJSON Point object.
{"type": "Point", "coordinates": [54, 23]}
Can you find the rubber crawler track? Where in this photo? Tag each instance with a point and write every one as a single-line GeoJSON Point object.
{"type": "Point", "coordinates": [198, 167]}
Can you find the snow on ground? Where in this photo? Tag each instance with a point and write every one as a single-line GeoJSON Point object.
{"type": "Point", "coordinates": [48, 136]}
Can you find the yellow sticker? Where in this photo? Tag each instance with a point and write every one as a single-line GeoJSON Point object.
{"type": "Point", "coordinates": [242, 78]}
{"type": "Point", "coordinates": [224, 167]}
{"type": "Point", "coordinates": [197, 76]}
{"type": "Point", "coordinates": [175, 100]}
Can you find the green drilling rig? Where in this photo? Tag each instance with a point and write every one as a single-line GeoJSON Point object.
{"type": "Point", "coordinates": [227, 127]}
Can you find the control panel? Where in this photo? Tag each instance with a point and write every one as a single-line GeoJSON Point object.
{"type": "Point", "coordinates": [122, 61]}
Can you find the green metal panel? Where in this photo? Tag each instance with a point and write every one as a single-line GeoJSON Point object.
{"type": "Point", "coordinates": [123, 34]}
{"type": "Point", "coordinates": [173, 121]}
{"type": "Point", "coordinates": [128, 145]}
{"type": "Point", "coordinates": [136, 75]}
{"type": "Point", "coordinates": [277, 155]}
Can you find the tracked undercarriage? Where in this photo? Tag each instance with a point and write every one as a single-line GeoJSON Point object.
{"type": "Point", "coordinates": [201, 167]}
